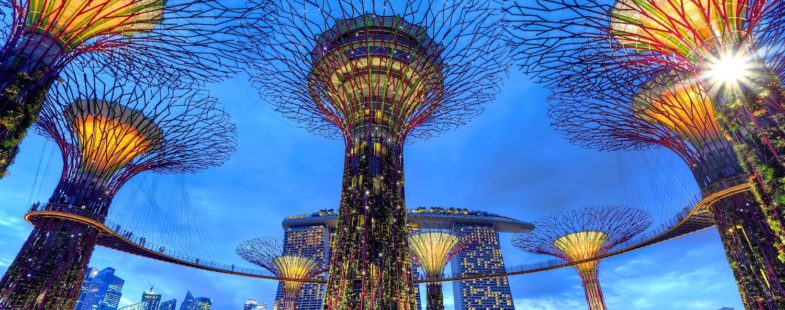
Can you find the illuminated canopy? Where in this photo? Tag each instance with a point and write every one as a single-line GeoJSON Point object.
{"type": "Point", "coordinates": [692, 29]}
{"type": "Point", "coordinates": [110, 135]}
{"type": "Point", "coordinates": [376, 70]}
{"type": "Point", "coordinates": [433, 250]}
{"type": "Point", "coordinates": [582, 245]}
{"type": "Point", "coordinates": [72, 22]}
{"type": "Point", "coordinates": [682, 106]}
{"type": "Point", "coordinates": [295, 267]}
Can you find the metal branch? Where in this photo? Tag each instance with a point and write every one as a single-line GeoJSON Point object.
{"type": "Point", "coordinates": [455, 46]}
{"type": "Point", "coordinates": [618, 224]}
{"type": "Point", "coordinates": [113, 129]}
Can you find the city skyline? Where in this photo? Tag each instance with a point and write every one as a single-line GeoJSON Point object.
{"type": "Point", "coordinates": [600, 154]}
{"type": "Point", "coordinates": [150, 300]}
{"type": "Point", "coordinates": [279, 174]}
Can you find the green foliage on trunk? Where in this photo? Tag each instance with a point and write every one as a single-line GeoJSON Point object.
{"type": "Point", "coordinates": [20, 104]}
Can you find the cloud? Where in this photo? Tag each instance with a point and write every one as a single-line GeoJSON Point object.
{"type": "Point", "coordinates": [8, 221]}
{"type": "Point", "coordinates": [690, 272]}
{"type": "Point", "coordinates": [669, 276]}
{"type": "Point", "coordinates": [549, 303]}
{"type": "Point", "coordinates": [14, 231]}
{"type": "Point", "coordinates": [124, 301]}
{"type": "Point", "coordinates": [5, 262]}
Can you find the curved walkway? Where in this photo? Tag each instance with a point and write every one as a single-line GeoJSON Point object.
{"type": "Point", "coordinates": [693, 218]}
{"type": "Point", "coordinates": [688, 221]}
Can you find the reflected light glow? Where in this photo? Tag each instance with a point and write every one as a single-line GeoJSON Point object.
{"type": "Point", "coordinates": [732, 69]}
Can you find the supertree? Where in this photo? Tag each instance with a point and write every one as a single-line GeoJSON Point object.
{"type": "Point", "coordinates": [732, 51]}
{"type": "Point", "coordinates": [267, 252]}
{"type": "Point", "coordinates": [432, 250]}
{"type": "Point", "coordinates": [379, 74]}
{"type": "Point", "coordinates": [108, 131]}
{"type": "Point", "coordinates": [675, 112]}
{"type": "Point", "coordinates": [579, 235]}
{"type": "Point", "coordinates": [188, 41]}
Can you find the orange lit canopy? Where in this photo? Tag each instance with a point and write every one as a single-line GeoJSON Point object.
{"type": "Point", "coordinates": [693, 29]}
{"type": "Point", "coordinates": [111, 135]}
{"type": "Point", "coordinates": [682, 106]}
{"type": "Point", "coordinates": [433, 250]}
{"type": "Point", "coordinates": [295, 267]}
{"type": "Point", "coordinates": [582, 245]}
{"type": "Point", "coordinates": [75, 21]}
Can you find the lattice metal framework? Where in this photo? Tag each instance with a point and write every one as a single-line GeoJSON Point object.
{"type": "Point", "coordinates": [108, 131]}
{"type": "Point", "coordinates": [581, 234]}
{"type": "Point", "coordinates": [675, 112]}
{"type": "Point", "coordinates": [188, 41]}
{"type": "Point", "coordinates": [266, 252]}
{"type": "Point", "coordinates": [379, 74]}
{"type": "Point", "coordinates": [605, 51]}
{"type": "Point", "coordinates": [550, 36]}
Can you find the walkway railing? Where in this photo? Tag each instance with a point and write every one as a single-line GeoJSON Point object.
{"type": "Point", "coordinates": [121, 239]}
{"type": "Point", "coordinates": [663, 232]}
{"type": "Point", "coordinates": [142, 245]}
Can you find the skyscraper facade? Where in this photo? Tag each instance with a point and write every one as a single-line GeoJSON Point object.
{"type": "Point", "coordinates": [196, 303]}
{"type": "Point", "coordinates": [150, 300]}
{"type": "Point", "coordinates": [484, 257]}
{"type": "Point", "coordinates": [250, 304]}
{"type": "Point", "coordinates": [101, 290]}
{"type": "Point", "coordinates": [203, 303]}
{"type": "Point", "coordinates": [168, 305]}
{"type": "Point", "coordinates": [309, 235]}
{"type": "Point", "coordinates": [189, 303]}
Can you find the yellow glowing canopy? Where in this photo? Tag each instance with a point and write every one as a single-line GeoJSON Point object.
{"type": "Point", "coordinates": [110, 135]}
{"type": "Point", "coordinates": [377, 79]}
{"type": "Point", "coordinates": [582, 245]}
{"type": "Point", "coordinates": [294, 267]}
{"type": "Point", "coordinates": [683, 107]}
{"type": "Point", "coordinates": [399, 86]}
{"type": "Point", "coordinates": [689, 28]}
{"type": "Point", "coordinates": [75, 21]}
{"type": "Point", "coordinates": [433, 250]}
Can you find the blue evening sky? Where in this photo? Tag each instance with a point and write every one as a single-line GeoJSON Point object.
{"type": "Point", "coordinates": [508, 160]}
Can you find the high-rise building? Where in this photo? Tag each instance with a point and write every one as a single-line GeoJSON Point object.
{"type": "Point", "coordinates": [196, 303]}
{"type": "Point", "coordinates": [250, 304]}
{"type": "Point", "coordinates": [484, 257]}
{"type": "Point", "coordinates": [203, 303]}
{"type": "Point", "coordinates": [150, 300]}
{"type": "Point", "coordinates": [309, 235]}
{"type": "Point", "coordinates": [101, 290]}
{"type": "Point", "coordinates": [168, 305]}
{"type": "Point", "coordinates": [188, 302]}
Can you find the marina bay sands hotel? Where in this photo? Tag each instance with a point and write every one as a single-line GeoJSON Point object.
{"type": "Point", "coordinates": [309, 235]}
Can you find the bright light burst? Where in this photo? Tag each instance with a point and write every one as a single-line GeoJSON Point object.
{"type": "Point", "coordinates": [730, 70]}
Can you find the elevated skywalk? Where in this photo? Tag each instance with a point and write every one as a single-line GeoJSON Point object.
{"type": "Point", "coordinates": [693, 218]}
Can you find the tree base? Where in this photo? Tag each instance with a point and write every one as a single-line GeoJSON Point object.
{"type": "Point", "coordinates": [49, 270]}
